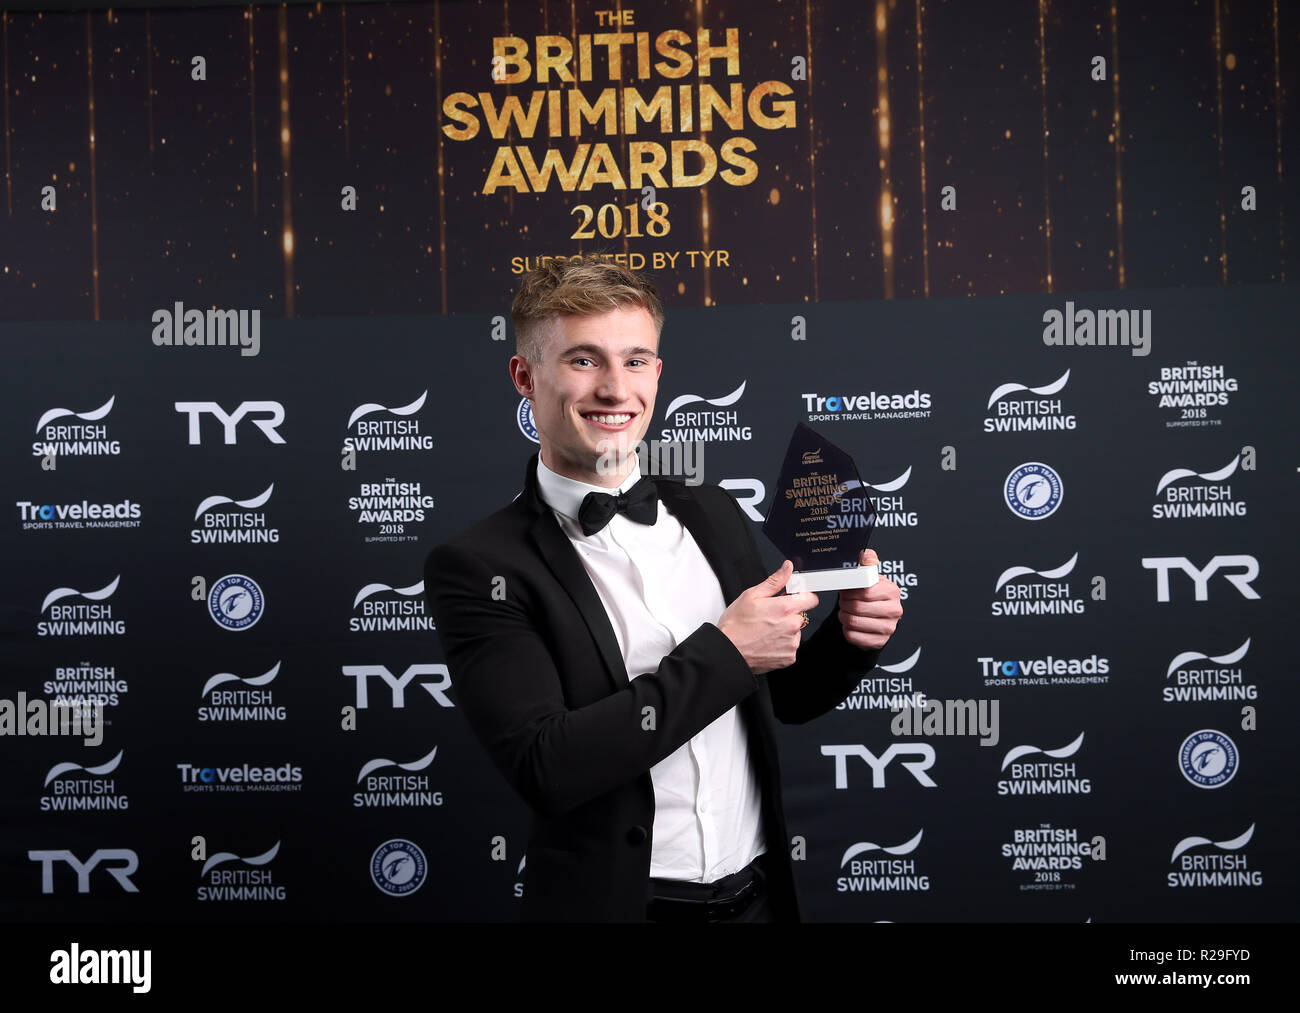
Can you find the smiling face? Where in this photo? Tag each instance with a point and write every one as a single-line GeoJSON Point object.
{"type": "Point", "coordinates": [593, 392]}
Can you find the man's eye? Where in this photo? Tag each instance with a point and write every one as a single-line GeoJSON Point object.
{"type": "Point", "coordinates": [636, 362]}
{"type": "Point", "coordinates": [580, 359]}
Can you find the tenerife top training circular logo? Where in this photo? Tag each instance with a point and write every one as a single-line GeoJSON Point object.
{"type": "Point", "coordinates": [1033, 491]}
{"type": "Point", "coordinates": [525, 418]}
{"type": "Point", "coordinates": [398, 867]}
{"type": "Point", "coordinates": [235, 602]}
{"type": "Point", "coordinates": [1208, 758]}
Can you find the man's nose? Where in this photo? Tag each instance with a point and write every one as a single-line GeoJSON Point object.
{"type": "Point", "coordinates": [613, 384]}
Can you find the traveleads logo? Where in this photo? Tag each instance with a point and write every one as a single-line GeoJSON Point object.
{"type": "Point", "coordinates": [390, 609]}
{"type": "Point", "coordinates": [75, 439]}
{"type": "Point", "coordinates": [71, 786]}
{"type": "Point", "coordinates": [1198, 677]}
{"type": "Point", "coordinates": [398, 867]}
{"type": "Point", "coordinates": [702, 425]}
{"type": "Point", "coordinates": [1024, 591]}
{"type": "Point", "coordinates": [1033, 490]}
{"type": "Point", "coordinates": [1043, 777]}
{"type": "Point", "coordinates": [1037, 414]}
{"type": "Point", "coordinates": [886, 692]}
{"type": "Point", "coordinates": [250, 879]}
{"type": "Point", "coordinates": [387, 434]}
{"type": "Point", "coordinates": [245, 525]}
{"type": "Point", "coordinates": [79, 619]}
{"type": "Point", "coordinates": [384, 509]}
{"type": "Point", "coordinates": [1045, 852]}
{"type": "Point", "coordinates": [235, 602]}
{"type": "Point", "coordinates": [84, 685]}
{"type": "Point", "coordinates": [71, 516]}
{"type": "Point", "coordinates": [889, 868]}
{"type": "Point", "coordinates": [1207, 496]}
{"type": "Point", "coordinates": [1208, 758]}
{"type": "Point", "coordinates": [395, 790]}
{"type": "Point", "coordinates": [867, 406]}
{"type": "Point", "coordinates": [1049, 671]}
{"type": "Point", "coordinates": [243, 778]}
{"type": "Point", "coordinates": [1191, 394]}
{"type": "Point", "coordinates": [524, 416]}
{"type": "Point", "coordinates": [1226, 865]}
{"type": "Point", "coordinates": [241, 705]}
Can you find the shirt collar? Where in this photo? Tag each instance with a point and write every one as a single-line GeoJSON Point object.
{"type": "Point", "coordinates": [565, 495]}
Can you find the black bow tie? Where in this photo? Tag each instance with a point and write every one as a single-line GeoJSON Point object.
{"type": "Point", "coordinates": [640, 503]}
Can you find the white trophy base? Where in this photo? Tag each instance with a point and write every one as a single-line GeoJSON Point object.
{"type": "Point", "coordinates": [833, 580]}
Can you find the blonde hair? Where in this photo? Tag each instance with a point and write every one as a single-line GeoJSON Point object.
{"type": "Point", "coordinates": [576, 286]}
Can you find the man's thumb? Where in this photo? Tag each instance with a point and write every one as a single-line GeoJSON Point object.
{"type": "Point", "coordinates": [778, 580]}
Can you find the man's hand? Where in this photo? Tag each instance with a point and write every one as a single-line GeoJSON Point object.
{"type": "Point", "coordinates": [764, 624]}
{"type": "Point", "coordinates": [870, 615]}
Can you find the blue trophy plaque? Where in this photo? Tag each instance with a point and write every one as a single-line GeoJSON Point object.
{"type": "Point", "coordinates": [821, 516]}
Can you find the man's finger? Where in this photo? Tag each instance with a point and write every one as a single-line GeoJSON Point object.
{"type": "Point", "coordinates": [884, 609]}
{"type": "Point", "coordinates": [773, 584]}
{"type": "Point", "coordinates": [867, 557]}
{"type": "Point", "coordinates": [804, 601]}
{"type": "Point", "coordinates": [882, 590]}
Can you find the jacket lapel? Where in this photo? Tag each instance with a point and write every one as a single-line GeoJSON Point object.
{"type": "Point", "coordinates": [563, 561]}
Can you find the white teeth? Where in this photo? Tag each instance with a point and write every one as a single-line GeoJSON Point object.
{"type": "Point", "coordinates": [610, 420]}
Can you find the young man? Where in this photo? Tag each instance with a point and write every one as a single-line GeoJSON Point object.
{"type": "Point", "coordinates": [616, 648]}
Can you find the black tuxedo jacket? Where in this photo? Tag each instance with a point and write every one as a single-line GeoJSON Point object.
{"type": "Point", "coordinates": [538, 673]}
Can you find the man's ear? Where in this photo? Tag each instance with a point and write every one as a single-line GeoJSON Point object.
{"type": "Point", "coordinates": [521, 374]}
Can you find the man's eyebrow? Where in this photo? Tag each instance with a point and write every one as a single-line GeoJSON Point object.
{"type": "Point", "coordinates": [597, 350]}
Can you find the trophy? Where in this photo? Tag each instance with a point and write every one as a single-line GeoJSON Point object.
{"type": "Point", "coordinates": [821, 516]}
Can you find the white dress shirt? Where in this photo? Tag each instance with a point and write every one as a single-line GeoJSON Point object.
{"type": "Point", "coordinates": [657, 589]}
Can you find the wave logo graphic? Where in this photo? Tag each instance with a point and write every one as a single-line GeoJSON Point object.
{"type": "Point", "coordinates": [906, 848]}
{"type": "Point", "coordinates": [63, 413]}
{"type": "Point", "coordinates": [257, 680]}
{"type": "Point", "coordinates": [369, 409]}
{"type": "Point", "coordinates": [1230, 658]}
{"type": "Point", "coordinates": [414, 765]}
{"type": "Point", "coordinates": [1010, 574]}
{"type": "Point", "coordinates": [249, 504]}
{"type": "Point", "coordinates": [677, 403]}
{"type": "Point", "coordinates": [893, 485]}
{"type": "Point", "coordinates": [1236, 844]}
{"type": "Point", "coordinates": [60, 593]}
{"type": "Point", "coordinates": [519, 871]}
{"type": "Point", "coordinates": [372, 589]}
{"type": "Point", "coordinates": [230, 856]}
{"type": "Point", "coordinates": [906, 665]}
{"type": "Point", "coordinates": [59, 769]}
{"type": "Point", "coordinates": [1011, 388]}
{"type": "Point", "coordinates": [1017, 752]}
{"type": "Point", "coordinates": [1169, 477]}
